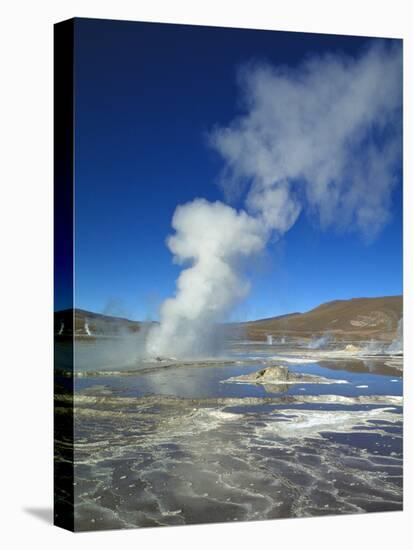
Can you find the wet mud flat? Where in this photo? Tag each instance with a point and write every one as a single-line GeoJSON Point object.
{"type": "Point", "coordinates": [171, 461]}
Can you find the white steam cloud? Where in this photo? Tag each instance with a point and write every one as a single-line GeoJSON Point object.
{"type": "Point", "coordinates": [324, 137]}
{"type": "Point", "coordinates": [213, 238]}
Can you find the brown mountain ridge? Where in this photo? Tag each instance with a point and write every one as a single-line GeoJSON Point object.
{"type": "Point", "coordinates": [355, 319]}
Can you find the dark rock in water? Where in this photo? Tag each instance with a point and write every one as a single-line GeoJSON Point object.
{"type": "Point", "coordinates": [276, 373]}
{"type": "Point", "coordinates": [279, 374]}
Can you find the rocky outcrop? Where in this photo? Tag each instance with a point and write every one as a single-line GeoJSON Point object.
{"type": "Point", "coordinates": [351, 348]}
{"type": "Point", "coordinates": [276, 373]}
{"type": "Point", "coordinates": [279, 374]}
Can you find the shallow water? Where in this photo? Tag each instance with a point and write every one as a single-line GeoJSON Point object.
{"type": "Point", "coordinates": [209, 381]}
{"type": "Point", "coordinates": [179, 445]}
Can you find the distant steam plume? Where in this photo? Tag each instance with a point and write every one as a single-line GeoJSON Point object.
{"type": "Point", "coordinates": [396, 346]}
{"type": "Point", "coordinates": [325, 138]}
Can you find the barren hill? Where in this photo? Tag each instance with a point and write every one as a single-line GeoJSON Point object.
{"type": "Point", "coordinates": [355, 319]}
{"type": "Point", "coordinates": [86, 322]}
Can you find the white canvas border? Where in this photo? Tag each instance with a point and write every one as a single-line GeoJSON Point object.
{"type": "Point", "coordinates": [26, 290]}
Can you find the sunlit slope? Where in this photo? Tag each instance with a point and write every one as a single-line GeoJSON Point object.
{"type": "Point", "coordinates": [355, 319]}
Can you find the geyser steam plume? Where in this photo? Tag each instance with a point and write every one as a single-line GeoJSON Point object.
{"type": "Point", "coordinates": [214, 237]}
{"type": "Point", "coordinates": [325, 138]}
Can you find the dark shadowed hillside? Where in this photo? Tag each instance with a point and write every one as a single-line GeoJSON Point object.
{"type": "Point", "coordinates": [95, 323]}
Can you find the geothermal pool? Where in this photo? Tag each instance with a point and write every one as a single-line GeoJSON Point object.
{"type": "Point", "coordinates": [211, 381]}
{"type": "Point", "coordinates": [169, 443]}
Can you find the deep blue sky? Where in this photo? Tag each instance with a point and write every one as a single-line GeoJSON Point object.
{"type": "Point", "coordinates": [146, 95]}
